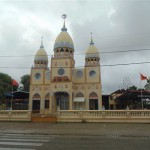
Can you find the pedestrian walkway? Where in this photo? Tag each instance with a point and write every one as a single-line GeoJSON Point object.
{"type": "Point", "coordinates": [23, 141]}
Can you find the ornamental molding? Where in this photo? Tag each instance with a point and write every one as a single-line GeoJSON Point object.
{"type": "Point", "coordinates": [36, 88]}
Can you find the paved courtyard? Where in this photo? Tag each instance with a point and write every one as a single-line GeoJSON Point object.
{"type": "Point", "coordinates": [74, 136]}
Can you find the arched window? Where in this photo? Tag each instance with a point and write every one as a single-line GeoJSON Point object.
{"type": "Point", "coordinates": [79, 101]}
{"type": "Point", "coordinates": [62, 50]}
{"type": "Point", "coordinates": [79, 95]}
{"type": "Point", "coordinates": [93, 95]}
{"type": "Point", "coordinates": [36, 97]}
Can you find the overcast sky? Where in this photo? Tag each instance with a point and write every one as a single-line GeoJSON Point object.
{"type": "Point", "coordinates": [117, 25]}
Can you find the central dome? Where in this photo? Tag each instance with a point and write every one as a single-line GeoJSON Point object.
{"type": "Point", "coordinates": [63, 39]}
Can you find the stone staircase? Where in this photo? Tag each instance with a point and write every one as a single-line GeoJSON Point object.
{"type": "Point", "coordinates": [44, 118]}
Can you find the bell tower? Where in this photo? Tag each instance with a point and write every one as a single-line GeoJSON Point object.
{"type": "Point", "coordinates": [93, 77]}
{"type": "Point", "coordinates": [62, 65]}
{"type": "Point", "coordinates": [37, 80]}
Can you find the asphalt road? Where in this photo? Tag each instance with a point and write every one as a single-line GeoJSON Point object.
{"type": "Point", "coordinates": [72, 142]}
{"type": "Point", "coordinates": [97, 143]}
{"type": "Point", "coordinates": [74, 136]}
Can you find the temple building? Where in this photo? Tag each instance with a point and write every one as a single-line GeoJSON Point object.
{"type": "Point", "coordinates": [62, 86]}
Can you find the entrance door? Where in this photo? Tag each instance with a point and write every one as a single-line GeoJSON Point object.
{"type": "Point", "coordinates": [62, 100]}
{"type": "Point", "coordinates": [36, 106]}
{"type": "Point", "coordinates": [36, 103]}
{"type": "Point", "coordinates": [93, 104]}
{"type": "Point", "coordinates": [93, 101]}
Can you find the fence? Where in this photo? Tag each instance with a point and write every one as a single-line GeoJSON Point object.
{"type": "Point", "coordinates": [15, 115]}
{"type": "Point", "coordinates": [135, 116]}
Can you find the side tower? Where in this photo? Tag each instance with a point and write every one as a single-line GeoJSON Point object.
{"type": "Point", "coordinates": [93, 78]}
{"type": "Point", "coordinates": [62, 65]}
{"type": "Point", "coordinates": [39, 78]}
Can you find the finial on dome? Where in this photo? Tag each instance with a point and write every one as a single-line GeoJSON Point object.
{"type": "Point", "coordinates": [91, 43]}
{"type": "Point", "coordinates": [64, 16]}
{"type": "Point", "coordinates": [41, 43]}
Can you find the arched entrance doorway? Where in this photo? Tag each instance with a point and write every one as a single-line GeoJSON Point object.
{"type": "Point", "coordinates": [36, 103]}
{"type": "Point", "coordinates": [62, 100]}
{"type": "Point", "coordinates": [93, 101]}
{"type": "Point", "coordinates": [47, 101]}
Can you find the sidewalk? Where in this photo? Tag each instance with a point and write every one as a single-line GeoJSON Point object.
{"type": "Point", "coordinates": [97, 129]}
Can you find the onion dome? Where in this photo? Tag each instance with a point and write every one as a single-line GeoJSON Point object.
{"type": "Point", "coordinates": [41, 55]}
{"type": "Point", "coordinates": [63, 40]}
{"type": "Point", "coordinates": [92, 51]}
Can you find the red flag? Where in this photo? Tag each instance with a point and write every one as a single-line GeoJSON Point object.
{"type": "Point", "coordinates": [14, 83]}
{"type": "Point", "coordinates": [143, 77]}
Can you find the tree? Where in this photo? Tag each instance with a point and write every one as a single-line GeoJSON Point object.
{"type": "Point", "coordinates": [132, 87]}
{"type": "Point", "coordinates": [147, 86]}
{"type": "Point", "coordinates": [25, 80]}
{"type": "Point", "coordinates": [5, 85]}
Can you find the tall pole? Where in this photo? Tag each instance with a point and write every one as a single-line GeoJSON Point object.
{"type": "Point", "coordinates": [141, 95]}
{"type": "Point", "coordinates": [11, 97]}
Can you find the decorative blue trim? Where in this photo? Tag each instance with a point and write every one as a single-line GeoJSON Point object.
{"type": "Point", "coordinates": [91, 43]}
{"type": "Point", "coordinates": [64, 29]}
{"type": "Point", "coordinates": [63, 44]}
{"type": "Point", "coordinates": [96, 55]}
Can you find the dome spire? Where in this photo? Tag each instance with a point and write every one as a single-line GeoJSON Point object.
{"type": "Point", "coordinates": [41, 43]}
{"type": "Point", "coordinates": [64, 16]}
{"type": "Point", "coordinates": [91, 43]}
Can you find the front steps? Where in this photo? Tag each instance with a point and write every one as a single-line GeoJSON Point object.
{"type": "Point", "coordinates": [42, 118]}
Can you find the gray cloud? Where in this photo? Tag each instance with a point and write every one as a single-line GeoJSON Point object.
{"type": "Point", "coordinates": [116, 25]}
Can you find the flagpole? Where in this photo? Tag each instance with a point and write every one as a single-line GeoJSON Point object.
{"type": "Point", "coordinates": [11, 97]}
{"type": "Point", "coordinates": [14, 83]}
{"type": "Point", "coordinates": [141, 94]}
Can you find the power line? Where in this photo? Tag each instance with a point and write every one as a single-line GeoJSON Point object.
{"type": "Point", "coordinates": [112, 65]}
{"type": "Point", "coordinates": [107, 52]}
{"type": "Point", "coordinates": [136, 63]}
{"type": "Point", "coordinates": [132, 50]}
